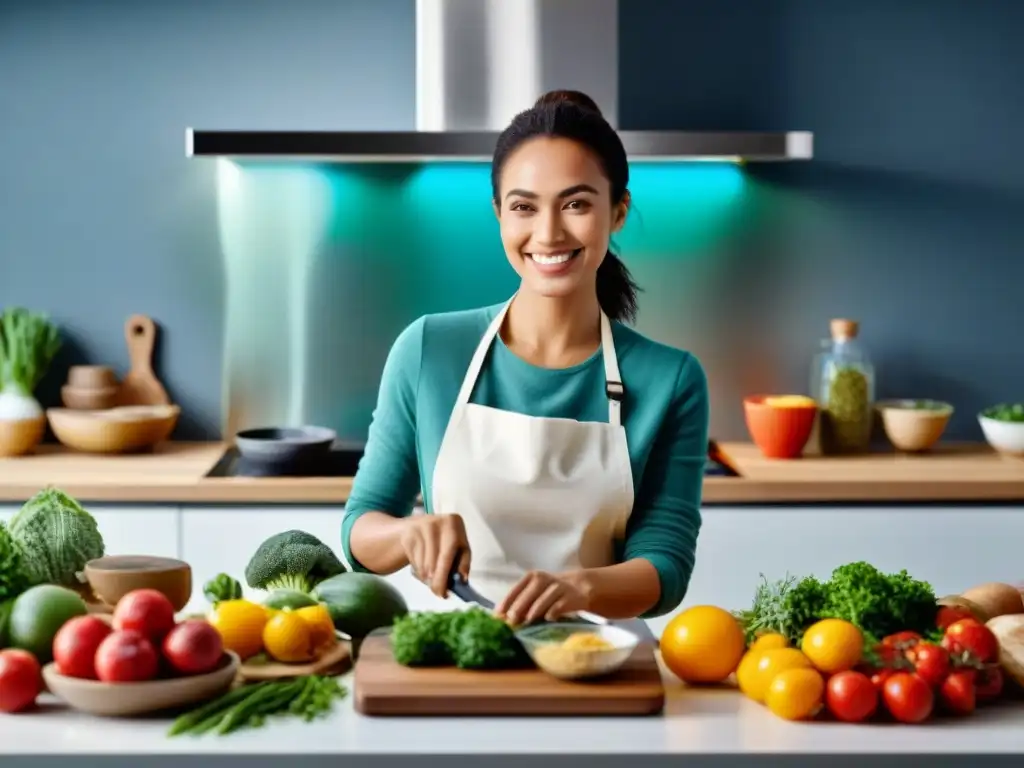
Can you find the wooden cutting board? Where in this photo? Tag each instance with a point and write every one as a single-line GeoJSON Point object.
{"type": "Point", "coordinates": [385, 687]}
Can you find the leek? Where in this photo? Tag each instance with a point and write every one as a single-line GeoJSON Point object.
{"type": "Point", "coordinates": [28, 344]}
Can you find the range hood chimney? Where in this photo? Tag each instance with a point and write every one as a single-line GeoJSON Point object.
{"type": "Point", "coordinates": [478, 63]}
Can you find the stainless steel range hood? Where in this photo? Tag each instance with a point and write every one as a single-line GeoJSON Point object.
{"type": "Point", "coordinates": [478, 63]}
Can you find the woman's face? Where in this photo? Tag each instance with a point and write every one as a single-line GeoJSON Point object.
{"type": "Point", "coordinates": [556, 215]}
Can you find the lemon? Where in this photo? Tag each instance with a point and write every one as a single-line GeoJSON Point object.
{"type": "Point", "coordinates": [769, 641]}
{"type": "Point", "coordinates": [833, 645]}
{"type": "Point", "coordinates": [758, 676]}
{"type": "Point", "coordinates": [796, 694]}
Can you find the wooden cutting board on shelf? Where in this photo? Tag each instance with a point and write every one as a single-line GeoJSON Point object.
{"type": "Point", "coordinates": [385, 687]}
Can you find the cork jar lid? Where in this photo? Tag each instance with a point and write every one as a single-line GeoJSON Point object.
{"type": "Point", "coordinates": [844, 329]}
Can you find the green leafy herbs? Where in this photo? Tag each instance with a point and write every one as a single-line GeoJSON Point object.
{"type": "Point", "coordinates": [786, 606]}
{"type": "Point", "coordinates": [1005, 412]}
{"type": "Point", "coordinates": [249, 706]}
{"type": "Point", "coordinates": [13, 575]}
{"type": "Point", "coordinates": [470, 639]}
{"type": "Point", "coordinates": [222, 587]}
{"type": "Point", "coordinates": [28, 344]}
{"type": "Point", "coordinates": [878, 603]}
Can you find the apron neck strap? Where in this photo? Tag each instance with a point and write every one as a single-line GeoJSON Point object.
{"type": "Point", "coordinates": [614, 388]}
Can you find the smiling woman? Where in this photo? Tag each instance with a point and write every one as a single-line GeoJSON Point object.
{"type": "Point", "coordinates": [560, 453]}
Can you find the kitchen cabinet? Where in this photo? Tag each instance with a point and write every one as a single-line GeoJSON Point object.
{"type": "Point", "coordinates": [952, 547]}
{"type": "Point", "coordinates": [130, 530]}
{"type": "Point", "coordinates": [223, 539]}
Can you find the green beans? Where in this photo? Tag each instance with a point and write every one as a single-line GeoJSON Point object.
{"type": "Point", "coordinates": [249, 706]}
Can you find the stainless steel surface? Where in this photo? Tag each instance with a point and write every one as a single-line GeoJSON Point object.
{"type": "Point", "coordinates": [462, 146]}
{"type": "Point", "coordinates": [479, 63]}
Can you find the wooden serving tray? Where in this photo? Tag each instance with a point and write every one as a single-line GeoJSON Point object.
{"type": "Point", "coordinates": [385, 687]}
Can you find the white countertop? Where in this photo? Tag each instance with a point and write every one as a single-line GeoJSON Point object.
{"type": "Point", "coordinates": [695, 721]}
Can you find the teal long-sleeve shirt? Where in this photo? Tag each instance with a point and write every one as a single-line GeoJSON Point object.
{"type": "Point", "coordinates": [665, 415]}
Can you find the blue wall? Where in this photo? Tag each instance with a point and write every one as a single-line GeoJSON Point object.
{"type": "Point", "coordinates": [907, 219]}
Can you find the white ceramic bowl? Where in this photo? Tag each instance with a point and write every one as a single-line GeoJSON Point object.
{"type": "Point", "coordinates": [542, 642]}
{"type": "Point", "coordinates": [1004, 436]}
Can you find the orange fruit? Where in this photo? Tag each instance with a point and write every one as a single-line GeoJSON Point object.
{"type": "Point", "coordinates": [758, 674]}
{"type": "Point", "coordinates": [833, 645]}
{"type": "Point", "coordinates": [703, 644]}
{"type": "Point", "coordinates": [769, 642]}
{"type": "Point", "coordinates": [796, 694]}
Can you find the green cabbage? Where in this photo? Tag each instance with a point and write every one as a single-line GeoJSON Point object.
{"type": "Point", "coordinates": [57, 537]}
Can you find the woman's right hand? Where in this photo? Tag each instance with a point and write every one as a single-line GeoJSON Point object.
{"type": "Point", "coordinates": [435, 545]}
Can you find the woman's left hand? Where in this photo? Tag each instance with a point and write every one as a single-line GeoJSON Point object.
{"type": "Point", "coordinates": [540, 595]}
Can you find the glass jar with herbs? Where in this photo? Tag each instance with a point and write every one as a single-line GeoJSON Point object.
{"type": "Point", "coordinates": [843, 383]}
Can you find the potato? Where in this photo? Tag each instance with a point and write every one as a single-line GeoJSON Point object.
{"type": "Point", "coordinates": [1009, 631]}
{"type": "Point", "coordinates": [996, 599]}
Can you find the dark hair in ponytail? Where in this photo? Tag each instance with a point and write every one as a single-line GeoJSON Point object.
{"type": "Point", "coordinates": [575, 116]}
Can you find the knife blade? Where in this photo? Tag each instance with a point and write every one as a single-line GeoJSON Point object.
{"type": "Point", "coordinates": [462, 589]}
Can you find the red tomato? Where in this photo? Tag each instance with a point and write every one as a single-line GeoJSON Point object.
{"type": "Point", "coordinates": [145, 611]}
{"type": "Point", "coordinates": [988, 684]}
{"type": "Point", "coordinates": [21, 680]}
{"type": "Point", "coordinates": [74, 646]}
{"type": "Point", "coordinates": [878, 678]}
{"type": "Point", "coordinates": [908, 698]}
{"type": "Point", "coordinates": [972, 636]}
{"type": "Point", "coordinates": [949, 614]}
{"type": "Point", "coordinates": [193, 647]}
{"type": "Point", "coordinates": [957, 692]}
{"type": "Point", "coordinates": [901, 640]}
{"type": "Point", "coordinates": [126, 657]}
{"type": "Point", "coordinates": [931, 662]}
{"type": "Point", "coordinates": [851, 697]}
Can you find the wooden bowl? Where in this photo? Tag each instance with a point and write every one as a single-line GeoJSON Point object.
{"type": "Point", "coordinates": [127, 699]}
{"type": "Point", "coordinates": [914, 425]}
{"type": "Point", "coordinates": [781, 432]}
{"type": "Point", "coordinates": [114, 576]}
{"type": "Point", "coordinates": [88, 399]}
{"type": "Point", "coordinates": [116, 430]}
{"type": "Point", "coordinates": [91, 377]}
{"type": "Point", "coordinates": [22, 436]}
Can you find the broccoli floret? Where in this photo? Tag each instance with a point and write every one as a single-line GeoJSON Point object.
{"type": "Point", "coordinates": [292, 560]}
{"type": "Point", "coordinates": [470, 639]}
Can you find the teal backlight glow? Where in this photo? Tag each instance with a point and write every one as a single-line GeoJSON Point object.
{"type": "Point", "coordinates": [325, 264]}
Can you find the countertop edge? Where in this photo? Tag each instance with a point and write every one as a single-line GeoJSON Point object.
{"type": "Point", "coordinates": [153, 483]}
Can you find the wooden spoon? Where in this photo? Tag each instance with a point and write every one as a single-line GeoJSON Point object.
{"type": "Point", "coordinates": [140, 386]}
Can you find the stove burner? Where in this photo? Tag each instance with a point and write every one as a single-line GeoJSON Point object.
{"type": "Point", "coordinates": [338, 462]}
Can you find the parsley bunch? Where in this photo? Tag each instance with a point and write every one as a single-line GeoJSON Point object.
{"type": "Point", "coordinates": [878, 603]}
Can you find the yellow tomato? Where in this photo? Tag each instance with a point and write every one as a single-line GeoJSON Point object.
{"type": "Point", "coordinates": [321, 627]}
{"type": "Point", "coordinates": [769, 641]}
{"type": "Point", "coordinates": [796, 694]}
{"type": "Point", "coordinates": [703, 644]}
{"type": "Point", "coordinates": [288, 638]}
{"type": "Point", "coordinates": [766, 665]}
{"type": "Point", "coordinates": [833, 645]}
{"type": "Point", "coordinates": [240, 625]}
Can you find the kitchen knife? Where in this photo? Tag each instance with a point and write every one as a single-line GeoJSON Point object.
{"type": "Point", "coordinates": [462, 589]}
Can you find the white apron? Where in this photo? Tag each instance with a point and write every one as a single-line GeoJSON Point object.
{"type": "Point", "coordinates": [534, 493]}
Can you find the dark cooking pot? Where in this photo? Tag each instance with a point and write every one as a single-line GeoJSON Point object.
{"type": "Point", "coordinates": [284, 445]}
